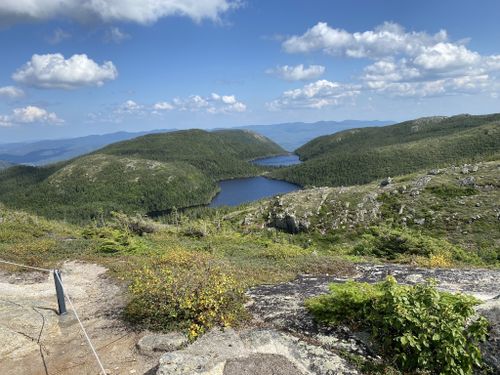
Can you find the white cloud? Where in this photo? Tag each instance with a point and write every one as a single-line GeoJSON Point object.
{"type": "Point", "coordinates": [315, 95]}
{"type": "Point", "coordinates": [163, 106]}
{"type": "Point", "coordinates": [29, 115]}
{"type": "Point", "coordinates": [405, 63]}
{"type": "Point", "coordinates": [54, 71]}
{"type": "Point", "coordinates": [138, 11]}
{"type": "Point", "coordinates": [115, 35]}
{"type": "Point", "coordinates": [129, 107]}
{"type": "Point", "coordinates": [385, 40]}
{"type": "Point", "coordinates": [11, 92]}
{"type": "Point", "coordinates": [213, 104]}
{"type": "Point", "coordinates": [298, 72]}
{"type": "Point", "coordinates": [57, 36]}
{"type": "Point", "coordinates": [446, 56]}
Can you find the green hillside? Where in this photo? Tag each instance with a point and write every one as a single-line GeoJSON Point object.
{"type": "Point", "coordinates": [220, 154]}
{"type": "Point", "coordinates": [148, 174]}
{"type": "Point", "coordinates": [361, 155]}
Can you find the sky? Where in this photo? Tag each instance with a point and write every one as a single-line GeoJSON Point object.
{"type": "Point", "coordinates": [77, 67]}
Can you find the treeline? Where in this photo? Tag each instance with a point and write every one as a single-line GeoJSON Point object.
{"type": "Point", "coordinates": [363, 155]}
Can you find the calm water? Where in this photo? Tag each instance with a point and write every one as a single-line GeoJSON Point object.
{"type": "Point", "coordinates": [278, 161]}
{"type": "Point", "coordinates": [242, 190]}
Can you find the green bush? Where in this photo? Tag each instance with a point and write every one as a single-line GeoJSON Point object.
{"type": "Point", "coordinates": [396, 243]}
{"type": "Point", "coordinates": [110, 240]}
{"type": "Point", "coordinates": [191, 295]}
{"type": "Point", "coordinates": [416, 327]}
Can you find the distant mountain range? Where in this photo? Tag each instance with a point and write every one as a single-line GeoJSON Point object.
{"type": "Point", "coordinates": [290, 136]}
{"type": "Point", "coordinates": [51, 151]}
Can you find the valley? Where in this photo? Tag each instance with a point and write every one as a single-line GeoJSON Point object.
{"type": "Point", "coordinates": [263, 247]}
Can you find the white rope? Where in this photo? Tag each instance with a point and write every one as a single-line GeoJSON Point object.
{"type": "Point", "coordinates": [56, 274]}
{"type": "Point", "coordinates": [81, 325]}
{"type": "Point", "coordinates": [25, 266]}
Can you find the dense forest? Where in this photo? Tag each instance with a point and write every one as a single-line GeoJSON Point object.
{"type": "Point", "coordinates": [148, 174]}
{"type": "Point", "coordinates": [362, 155]}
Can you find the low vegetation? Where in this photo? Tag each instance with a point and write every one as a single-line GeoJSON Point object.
{"type": "Point", "coordinates": [416, 328]}
{"type": "Point", "coordinates": [186, 291]}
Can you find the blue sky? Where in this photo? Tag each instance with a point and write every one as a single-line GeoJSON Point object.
{"type": "Point", "coordinates": [78, 67]}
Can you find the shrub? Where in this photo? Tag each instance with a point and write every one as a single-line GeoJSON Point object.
{"type": "Point", "coordinates": [192, 298]}
{"type": "Point", "coordinates": [396, 243]}
{"type": "Point", "coordinates": [417, 327]}
{"type": "Point", "coordinates": [110, 240]}
{"type": "Point", "coordinates": [134, 224]}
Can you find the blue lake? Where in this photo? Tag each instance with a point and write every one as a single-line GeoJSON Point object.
{"type": "Point", "coordinates": [243, 190]}
{"type": "Point", "coordinates": [278, 161]}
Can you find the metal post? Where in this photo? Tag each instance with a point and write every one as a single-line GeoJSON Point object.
{"type": "Point", "coordinates": [60, 293]}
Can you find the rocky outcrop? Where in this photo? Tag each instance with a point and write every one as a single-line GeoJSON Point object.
{"type": "Point", "coordinates": [252, 351]}
{"type": "Point", "coordinates": [427, 200]}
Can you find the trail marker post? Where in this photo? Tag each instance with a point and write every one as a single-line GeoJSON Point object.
{"type": "Point", "coordinates": [60, 293]}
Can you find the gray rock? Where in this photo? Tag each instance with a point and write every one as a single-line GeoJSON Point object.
{"type": "Point", "coordinates": [467, 181]}
{"type": "Point", "coordinates": [224, 352]}
{"type": "Point", "coordinates": [386, 181]}
{"type": "Point", "coordinates": [420, 221]}
{"type": "Point", "coordinates": [262, 364]}
{"type": "Point", "coordinates": [491, 348]}
{"type": "Point", "coordinates": [162, 342]}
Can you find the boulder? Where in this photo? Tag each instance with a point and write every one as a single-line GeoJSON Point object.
{"type": "Point", "coordinates": [162, 342]}
{"type": "Point", "coordinates": [386, 181]}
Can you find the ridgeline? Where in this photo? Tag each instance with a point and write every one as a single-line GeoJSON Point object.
{"type": "Point", "coordinates": [358, 156]}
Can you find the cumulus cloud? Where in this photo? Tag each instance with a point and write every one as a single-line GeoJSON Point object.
{"type": "Point", "coordinates": [54, 71]}
{"type": "Point", "coordinates": [29, 115]}
{"type": "Point", "coordinates": [129, 107]}
{"type": "Point", "coordinates": [163, 106]}
{"type": "Point", "coordinates": [138, 11]}
{"type": "Point", "coordinates": [298, 72]}
{"type": "Point", "coordinates": [213, 104]}
{"type": "Point", "coordinates": [11, 92]}
{"type": "Point", "coordinates": [405, 63]}
{"type": "Point", "coordinates": [385, 40]}
{"type": "Point", "coordinates": [315, 95]}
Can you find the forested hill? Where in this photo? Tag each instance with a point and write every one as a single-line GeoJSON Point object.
{"type": "Point", "coordinates": [150, 173]}
{"type": "Point", "coordinates": [221, 154]}
{"type": "Point", "coordinates": [359, 156]}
